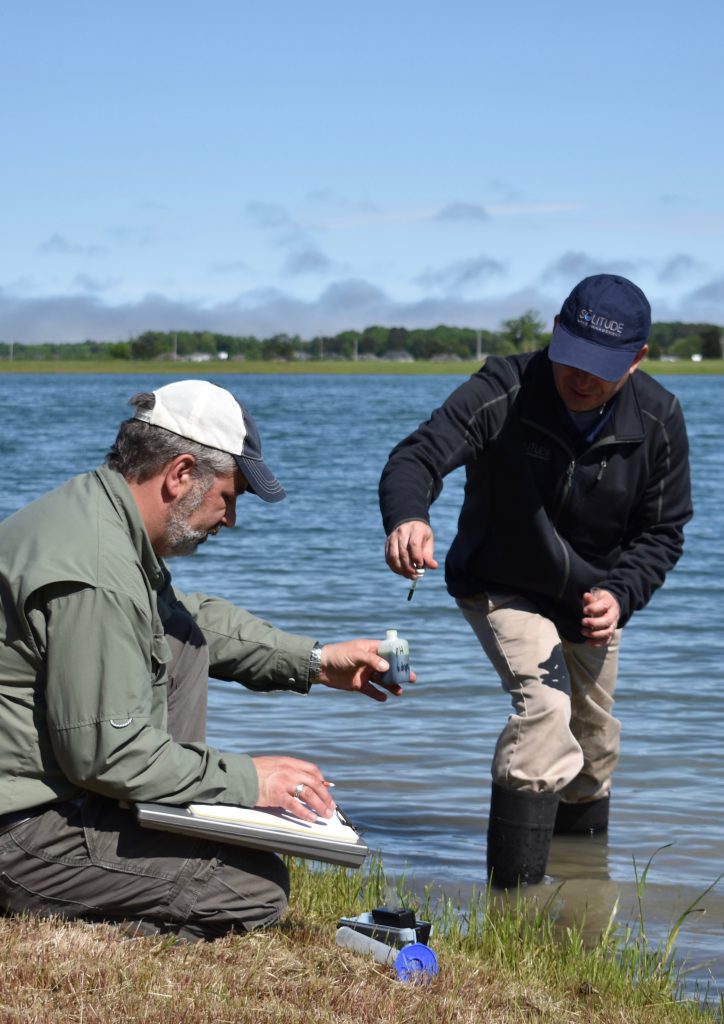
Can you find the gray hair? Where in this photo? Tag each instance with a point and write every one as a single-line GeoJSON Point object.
{"type": "Point", "coordinates": [141, 449]}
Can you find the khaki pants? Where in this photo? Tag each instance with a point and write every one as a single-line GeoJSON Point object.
{"type": "Point", "coordinates": [561, 737]}
{"type": "Point", "coordinates": [88, 858]}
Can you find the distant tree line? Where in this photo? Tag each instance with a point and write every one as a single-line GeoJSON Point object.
{"type": "Point", "coordinates": [519, 334]}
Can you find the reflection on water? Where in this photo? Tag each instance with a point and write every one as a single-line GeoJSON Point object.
{"type": "Point", "coordinates": [414, 773]}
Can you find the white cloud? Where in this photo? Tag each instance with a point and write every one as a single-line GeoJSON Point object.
{"type": "Point", "coordinates": [463, 212]}
{"type": "Point", "coordinates": [677, 267]}
{"type": "Point", "coordinates": [307, 260]}
{"type": "Point", "coordinates": [131, 235]}
{"type": "Point", "coordinates": [60, 245]}
{"type": "Point", "coordinates": [461, 274]}
{"type": "Point", "coordinates": [350, 303]}
{"type": "Point", "coordinates": [268, 216]}
{"type": "Point", "coordinates": [711, 293]}
{"type": "Point", "coordinates": [93, 285]}
{"type": "Point", "coordinates": [345, 304]}
{"type": "Point", "coordinates": [572, 267]}
{"type": "Point", "coordinates": [229, 267]}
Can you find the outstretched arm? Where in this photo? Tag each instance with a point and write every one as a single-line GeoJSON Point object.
{"type": "Point", "coordinates": [356, 666]}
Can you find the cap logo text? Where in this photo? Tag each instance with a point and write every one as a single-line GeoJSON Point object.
{"type": "Point", "coordinates": [599, 323]}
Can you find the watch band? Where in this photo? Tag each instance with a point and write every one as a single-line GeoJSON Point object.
{"type": "Point", "coordinates": [315, 663]}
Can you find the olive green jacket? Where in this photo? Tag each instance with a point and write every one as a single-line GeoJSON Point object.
{"type": "Point", "coordinates": [83, 658]}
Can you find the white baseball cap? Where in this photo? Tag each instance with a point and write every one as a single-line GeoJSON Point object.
{"type": "Point", "coordinates": [203, 412]}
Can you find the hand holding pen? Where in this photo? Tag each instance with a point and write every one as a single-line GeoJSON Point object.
{"type": "Point", "coordinates": [420, 570]}
{"type": "Point", "coordinates": [410, 551]}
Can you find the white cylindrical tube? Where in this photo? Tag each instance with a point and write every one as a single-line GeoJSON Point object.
{"type": "Point", "coordinates": [360, 943]}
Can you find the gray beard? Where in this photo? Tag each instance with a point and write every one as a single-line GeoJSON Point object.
{"type": "Point", "coordinates": [182, 539]}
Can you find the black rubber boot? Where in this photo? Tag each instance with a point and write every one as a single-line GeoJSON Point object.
{"type": "Point", "coordinates": [586, 819]}
{"type": "Point", "coordinates": [520, 830]}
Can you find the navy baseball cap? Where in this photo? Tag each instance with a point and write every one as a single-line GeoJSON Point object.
{"type": "Point", "coordinates": [603, 324]}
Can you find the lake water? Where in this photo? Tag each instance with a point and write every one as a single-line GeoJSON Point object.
{"type": "Point", "coordinates": [414, 772]}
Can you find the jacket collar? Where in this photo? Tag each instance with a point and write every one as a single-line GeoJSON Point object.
{"type": "Point", "coordinates": [627, 422]}
{"type": "Point", "coordinates": [120, 497]}
{"type": "Point", "coordinates": [540, 401]}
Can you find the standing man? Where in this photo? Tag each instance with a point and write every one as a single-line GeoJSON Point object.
{"type": "Point", "coordinates": [103, 681]}
{"type": "Point", "coordinates": [577, 492]}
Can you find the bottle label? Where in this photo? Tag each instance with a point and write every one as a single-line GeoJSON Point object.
{"type": "Point", "coordinates": [398, 657]}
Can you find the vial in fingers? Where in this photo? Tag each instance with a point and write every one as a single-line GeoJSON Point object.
{"type": "Point", "coordinates": [396, 653]}
{"type": "Point", "coordinates": [420, 573]}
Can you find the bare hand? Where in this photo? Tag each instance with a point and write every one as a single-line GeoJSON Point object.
{"type": "Point", "coordinates": [279, 781]}
{"type": "Point", "coordinates": [601, 612]}
{"type": "Point", "coordinates": [410, 547]}
{"type": "Point", "coordinates": [355, 665]}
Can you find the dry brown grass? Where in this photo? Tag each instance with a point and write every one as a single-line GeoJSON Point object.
{"type": "Point", "coordinates": [56, 973]}
{"type": "Point", "coordinates": [505, 973]}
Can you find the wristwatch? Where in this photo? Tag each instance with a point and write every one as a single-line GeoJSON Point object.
{"type": "Point", "coordinates": [315, 663]}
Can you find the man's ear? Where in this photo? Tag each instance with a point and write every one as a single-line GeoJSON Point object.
{"type": "Point", "coordinates": [179, 476]}
{"type": "Point", "coordinates": [639, 356]}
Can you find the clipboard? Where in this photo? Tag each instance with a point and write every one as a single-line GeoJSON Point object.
{"type": "Point", "coordinates": [269, 829]}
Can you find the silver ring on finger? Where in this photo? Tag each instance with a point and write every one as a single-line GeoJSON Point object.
{"type": "Point", "coordinates": [298, 790]}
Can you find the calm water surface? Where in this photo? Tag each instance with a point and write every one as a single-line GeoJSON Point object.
{"type": "Point", "coordinates": [414, 773]}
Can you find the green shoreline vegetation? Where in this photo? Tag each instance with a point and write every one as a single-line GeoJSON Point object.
{"type": "Point", "coordinates": [708, 367]}
{"type": "Point", "coordinates": [376, 349]}
{"type": "Point", "coordinates": [500, 962]}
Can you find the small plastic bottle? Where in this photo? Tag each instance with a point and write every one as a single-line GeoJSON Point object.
{"type": "Point", "coordinates": [396, 652]}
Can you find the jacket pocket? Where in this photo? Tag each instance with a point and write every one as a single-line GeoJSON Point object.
{"type": "Point", "coordinates": [160, 657]}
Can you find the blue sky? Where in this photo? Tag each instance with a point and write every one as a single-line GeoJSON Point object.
{"type": "Point", "coordinates": [307, 168]}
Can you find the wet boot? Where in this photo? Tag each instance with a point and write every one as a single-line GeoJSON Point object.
{"type": "Point", "coordinates": [520, 830]}
{"type": "Point", "coordinates": [587, 819]}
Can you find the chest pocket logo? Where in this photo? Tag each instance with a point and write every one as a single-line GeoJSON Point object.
{"type": "Point", "coordinates": [538, 451]}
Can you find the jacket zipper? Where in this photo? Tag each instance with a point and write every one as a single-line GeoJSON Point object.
{"type": "Point", "coordinates": [565, 494]}
{"type": "Point", "coordinates": [567, 488]}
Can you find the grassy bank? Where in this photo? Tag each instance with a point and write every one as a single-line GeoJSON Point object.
{"type": "Point", "coordinates": [497, 966]}
{"type": "Point", "coordinates": [711, 367]}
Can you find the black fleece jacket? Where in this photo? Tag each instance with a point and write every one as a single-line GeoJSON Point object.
{"type": "Point", "coordinates": [547, 514]}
